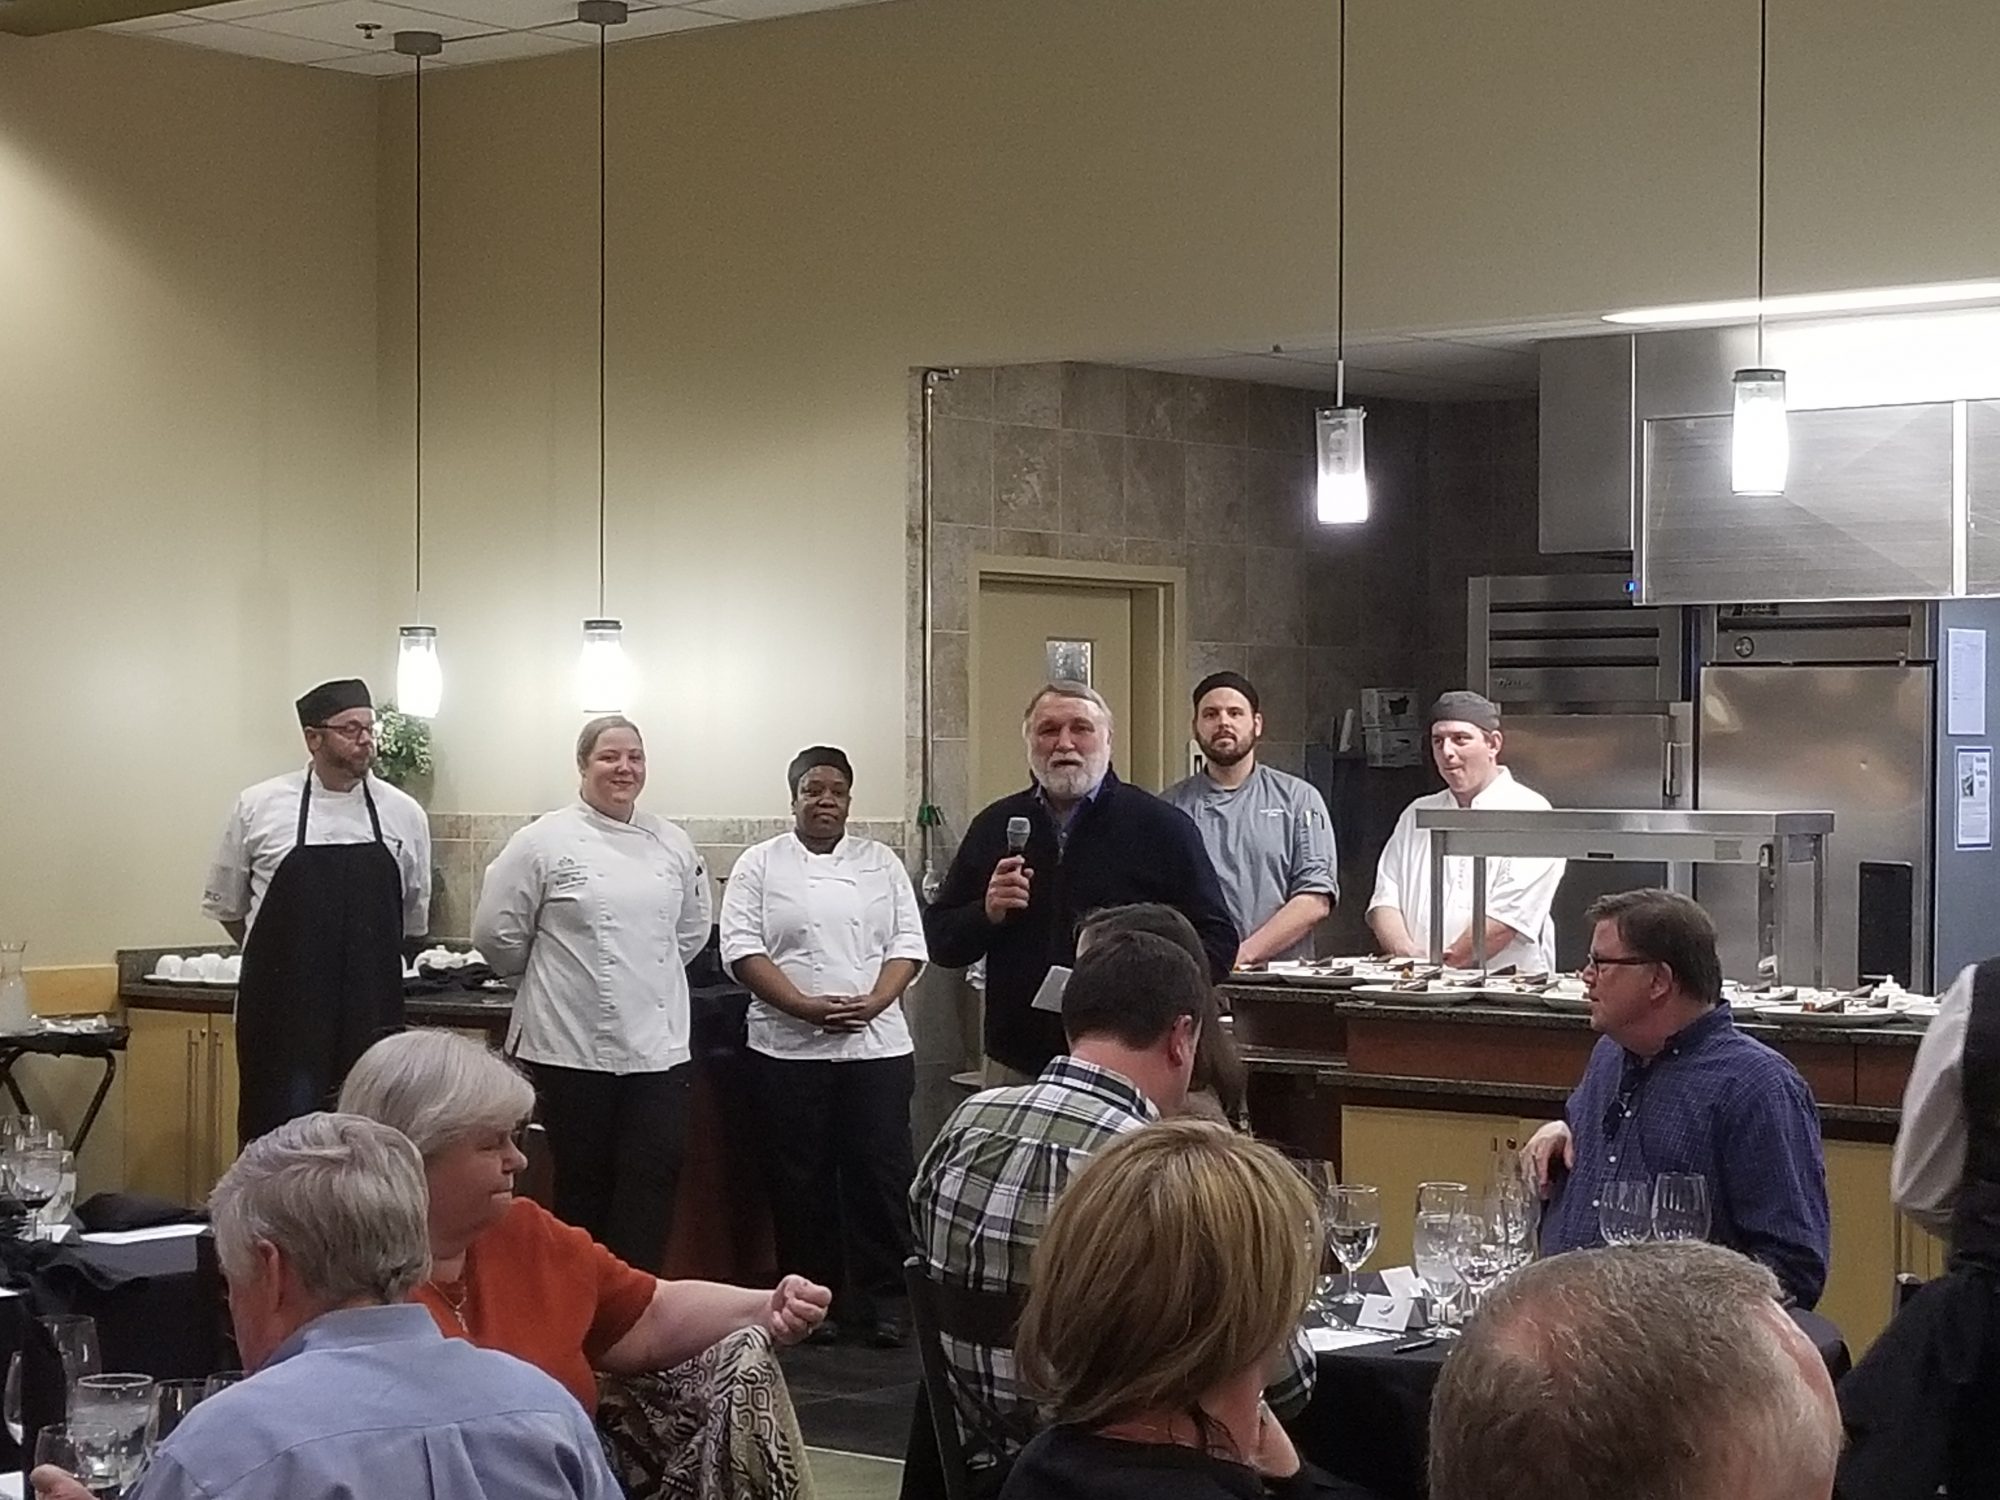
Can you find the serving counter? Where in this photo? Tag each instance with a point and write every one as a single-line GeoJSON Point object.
{"type": "Point", "coordinates": [1401, 1094]}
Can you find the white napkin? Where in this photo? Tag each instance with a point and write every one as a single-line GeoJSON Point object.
{"type": "Point", "coordinates": [140, 1236]}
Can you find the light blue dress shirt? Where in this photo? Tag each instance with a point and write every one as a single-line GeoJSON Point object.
{"type": "Point", "coordinates": [372, 1402]}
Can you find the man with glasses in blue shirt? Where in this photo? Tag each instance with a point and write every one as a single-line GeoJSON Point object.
{"type": "Point", "coordinates": [1673, 1086]}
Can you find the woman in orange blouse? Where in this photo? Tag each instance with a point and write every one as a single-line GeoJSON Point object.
{"type": "Point", "coordinates": [509, 1275]}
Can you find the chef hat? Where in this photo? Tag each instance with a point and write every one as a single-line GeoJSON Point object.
{"type": "Point", "coordinates": [1235, 680]}
{"type": "Point", "coordinates": [1466, 708]}
{"type": "Point", "coordinates": [330, 698]}
{"type": "Point", "coordinates": [817, 755]}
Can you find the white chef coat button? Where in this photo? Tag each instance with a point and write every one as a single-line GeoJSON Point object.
{"type": "Point", "coordinates": [1593, 1203]}
{"type": "Point", "coordinates": [1613, 1160]}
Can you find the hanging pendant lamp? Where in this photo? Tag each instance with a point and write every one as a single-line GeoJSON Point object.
{"type": "Point", "coordinates": [419, 673]}
{"type": "Point", "coordinates": [1340, 497]}
{"type": "Point", "coordinates": [1760, 442]}
{"type": "Point", "coordinates": [603, 672]}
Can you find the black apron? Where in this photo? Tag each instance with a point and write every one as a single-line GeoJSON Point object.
{"type": "Point", "coordinates": [322, 974]}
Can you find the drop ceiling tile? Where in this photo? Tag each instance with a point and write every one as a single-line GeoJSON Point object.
{"type": "Point", "coordinates": [144, 24]}
{"type": "Point", "coordinates": [274, 46]}
{"type": "Point", "coordinates": [640, 23]}
{"type": "Point", "coordinates": [339, 22]}
{"type": "Point", "coordinates": [379, 64]}
{"type": "Point", "coordinates": [506, 15]}
{"type": "Point", "coordinates": [760, 10]}
{"type": "Point", "coordinates": [236, 10]}
{"type": "Point", "coordinates": [505, 45]}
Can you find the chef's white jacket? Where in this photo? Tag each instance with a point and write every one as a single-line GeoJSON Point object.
{"type": "Point", "coordinates": [599, 918]}
{"type": "Point", "coordinates": [1518, 891]}
{"type": "Point", "coordinates": [829, 922]}
{"type": "Point", "coordinates": [263, 828]}
{"type": "Point", "coordinates": [1929, 1160]}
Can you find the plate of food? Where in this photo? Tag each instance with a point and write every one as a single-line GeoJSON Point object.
{"type": "Point", "coordinates": [1837, 1008]}
{"type": "Point", "coordinates": [1427, 989]}
{"type": "Point", "coordinates": [1568, 993]}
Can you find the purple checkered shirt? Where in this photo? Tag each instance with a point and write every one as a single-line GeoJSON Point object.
{"type": "Point", "coordinates": [1719, 1103]}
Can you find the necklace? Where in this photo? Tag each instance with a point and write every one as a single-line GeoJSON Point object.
{"type": "Point", "coordinates": [455, 1304]}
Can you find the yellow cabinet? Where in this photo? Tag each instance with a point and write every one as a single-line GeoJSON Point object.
{"type": "Point", "coordinates": [180, 1102]}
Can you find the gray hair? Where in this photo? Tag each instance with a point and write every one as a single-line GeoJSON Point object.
{"type": "Point", "coordinates": [1063, 687]}
{"type": "Point", "coordinates": [437, 1087]}
{"type": "Point", "coordinates": [341, 1197]}
{"type": "Point", "coordinates": [1649, 1372]}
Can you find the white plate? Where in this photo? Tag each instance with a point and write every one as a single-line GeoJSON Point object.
{"type": "Point", "coordinates": [1435, 995]}
{"type": "Point", "coordinates": [1794, 1014]}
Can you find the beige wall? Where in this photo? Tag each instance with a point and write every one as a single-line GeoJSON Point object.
{"type": "Point", "coordinates": [193, 522]}
{"type": "Point", "coordinates": [197, 473]}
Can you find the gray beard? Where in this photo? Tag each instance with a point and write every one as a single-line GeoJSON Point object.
{"type": "Point", "coordinates": [1069, 783]}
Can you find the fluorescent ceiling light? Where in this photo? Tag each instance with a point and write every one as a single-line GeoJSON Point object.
{"type": "Point", "coordinates": [1803, 304]}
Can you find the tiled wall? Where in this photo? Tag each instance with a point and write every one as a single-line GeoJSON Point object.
{"type": "Point", "coordinates": [464, 844]}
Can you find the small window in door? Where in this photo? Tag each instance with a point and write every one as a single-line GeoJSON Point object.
{"type": "Point", "coordinates": [1069, 661]}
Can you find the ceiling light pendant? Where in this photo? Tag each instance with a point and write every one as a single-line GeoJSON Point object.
{"type": "Point", "coordinates": [419, 672]}
{"type": "Point", "coordinates": [1340, 496]}
{"type": "Point", "coordinates": [603, 671]}
{"type": "Point", "coordinates": [1760, 440]}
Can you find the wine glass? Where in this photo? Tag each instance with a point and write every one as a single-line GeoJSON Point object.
{"type": "Point", "coordinates": [10, 1399]}
{"type": "Point", "coordinates": [109, 1418]}
{"type": "Point", "coordinates": [1323, 1178]}
{"type": "Point", "coordinates": [172, 1401]}
{"type": "Point", "coordinates": [38, 1176]}
{"type": "Point", "coordinates": [1479, 1247]}
{"type": "Point", "coordinates": [75, 1338]}
{"type": "Point", "coordinates": [56, 1444]}
{"type": "Point", "coordinates": [1438, 1204]}
{"type": "Point", "coordinates": [221, 1380]}
{"type": "Point", "coordinates": [55, 1213]}
{"type": "Point", "coordinates": [1353, 1225]}
{"type": "Point", "coordinates": [1680, 1206]}
{"type": "Point", "coordinates": [1625, 1212]}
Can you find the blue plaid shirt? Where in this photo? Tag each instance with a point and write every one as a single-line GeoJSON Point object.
{"type": "Point", "coordinates": [1713, 1101]}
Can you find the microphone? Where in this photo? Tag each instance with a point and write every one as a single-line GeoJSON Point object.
{"type": "Point", "coordinates": [1017, 835]}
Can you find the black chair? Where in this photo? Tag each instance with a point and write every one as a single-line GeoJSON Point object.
{"type": "Point", "coordinates": [938, 1310]}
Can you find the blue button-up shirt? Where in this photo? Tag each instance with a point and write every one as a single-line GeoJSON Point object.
{"type": "Point", "coordinates": [376, 1401]}
{"type": "Point", "coordinates": [1719, 1103]}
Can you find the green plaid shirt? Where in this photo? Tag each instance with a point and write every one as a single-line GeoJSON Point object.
{"type": "Point", "coordinates": [984, 1192]}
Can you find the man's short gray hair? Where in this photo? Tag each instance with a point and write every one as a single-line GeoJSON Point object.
{"type": "Point", "coordinates": [341, 1197]}
{"type": "Point", "coordinates": [1063, 687]}
{"type": "Point", "coordinates": [1649, 1372]}
{"type": "Point", "coordinates": [437, 1087]}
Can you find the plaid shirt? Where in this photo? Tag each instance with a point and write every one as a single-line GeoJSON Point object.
{"type": "Point", "coordinates": [1719, 1103]}
{"type": "Point", "coordinates": [983, 1195]}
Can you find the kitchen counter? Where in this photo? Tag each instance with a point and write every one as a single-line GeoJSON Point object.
{"type": "Point", "coordinates": [487, 1010]}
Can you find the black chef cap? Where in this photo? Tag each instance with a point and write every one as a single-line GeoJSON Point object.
{"type": "Point", "coordinates": [1466, 708]}
{"type": "Point", "coordinates": [330, 698]}
{"type": "Point", "coordinates": [818, 755]}
{"type": "Point", "coordinates": [1234, 680]}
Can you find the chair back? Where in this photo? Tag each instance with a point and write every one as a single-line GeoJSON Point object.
{"type": "Point", "coordinates": [939, 1311]}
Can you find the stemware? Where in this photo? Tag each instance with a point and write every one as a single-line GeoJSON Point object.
{"type": "Point", "coordinates": [1680, 1206]}
{"type": "Point", "coordinates": [1353, 1226]}
{"type": "Point", "coordinates": [75, 1337]}
{"type": "Point", "coordinates": [172, 1401]}
{"type": "Point", "coordinates": [1438, 1206]}
{"type": "Point", "coordinates": [109, 1418]}
{"type": "Point", "coordinates": [1625, 1212]}
{"type": "Point", "coordinates": [221, 1380]}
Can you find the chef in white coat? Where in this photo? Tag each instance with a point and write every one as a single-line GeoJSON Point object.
{"type": "Point", "coordinates": [1465, 743]}
{"type": "Point", "coordinates": [598, 907]}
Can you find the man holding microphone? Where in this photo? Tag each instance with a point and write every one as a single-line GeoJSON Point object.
{"type": "Point", "coordinates": [1034, 863]}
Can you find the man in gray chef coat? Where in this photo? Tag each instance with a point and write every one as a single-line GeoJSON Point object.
{"type": "Point", "coordinates": [1267, 833]}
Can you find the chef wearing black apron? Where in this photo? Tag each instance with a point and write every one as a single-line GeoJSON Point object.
{"type": "Point", "coordinates": [322, 959]}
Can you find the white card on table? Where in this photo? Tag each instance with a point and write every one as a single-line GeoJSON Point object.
{"type": "Point", "coordinates": [1401, 1281]}
{"type": "Point", "coordinates": [1327, 1340]}
{"type": "Point", "coordinates": [1388, 1314]}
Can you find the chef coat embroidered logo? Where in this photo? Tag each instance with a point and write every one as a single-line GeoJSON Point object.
{"type": "Point", "coordinates": [567, 877]}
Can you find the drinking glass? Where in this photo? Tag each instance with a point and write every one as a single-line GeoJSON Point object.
{"type": "Point", "coordinates": [1431, 1258]}
{"type": "Point", "coordinates": [1479, 1247]}
{"type": "Point", "coordinates": [75, 1339]}
{"type": "Point", "coordinates": [1625, 1212]}
{"type": "Point", "coordinates": [55, 1213]}
{"type": "Point", "coordinates": [1323, 1178]}
{"type": "Point", "coordinates": [55, 1444]}
{"type": "Point", "coordinates": [109, 1416]}
{"type": "Point", "coordinates": [15, 1128]}
{"type": "Point", "coordinates": [1680, 1206]}
{"type": "Point", "coordinates": [172, 1401]}
{"type": "Point", "coordinates": [221, 1380]}
{"type": "Point", "coordinates": [10, 1399]}
{"type": "Point", "coordinates": [1353, 1225]}
{"type": "Point", "coordinates": [38, 1176]}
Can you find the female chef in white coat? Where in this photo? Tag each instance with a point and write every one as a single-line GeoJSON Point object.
{"type": "Point", "coordinates": [823, 929]}
{"type": "Point", "coordinates": [598, 907]}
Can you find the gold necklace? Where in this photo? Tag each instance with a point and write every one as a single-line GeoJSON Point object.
{"type": "Point", "coordinates": [455, 1304]}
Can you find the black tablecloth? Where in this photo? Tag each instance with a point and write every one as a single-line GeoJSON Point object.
{"type": "Point", "coordinates": [152, 1322]}
{"type": "Point", "coordinates": [1369, 1417]}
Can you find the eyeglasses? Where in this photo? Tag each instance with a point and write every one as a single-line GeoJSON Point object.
{"type": "Point", "coordinates": [1597, 961]}
{"type": "Point", "coordinates": [356, 732]}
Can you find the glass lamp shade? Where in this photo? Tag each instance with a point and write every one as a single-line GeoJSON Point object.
{"type": "Point", "coordinates": [1341, 496]}
{"type": "Point", "coordinates": [603, 673]}
{"type": "Point", "coordinates": [1760, 444]}
{"type": "Point", "coordinates": [419, 673]}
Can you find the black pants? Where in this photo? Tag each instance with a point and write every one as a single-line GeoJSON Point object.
{"type": "Point", "coordinates": [617, 1140]}
{"type": "Point", "coordinates": [837, 1156]}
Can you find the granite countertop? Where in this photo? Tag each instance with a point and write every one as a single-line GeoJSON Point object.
{"type": "Point", "coordinates": [1346, 1004]}
{"type": "Point", "coordinates": [138, 993]}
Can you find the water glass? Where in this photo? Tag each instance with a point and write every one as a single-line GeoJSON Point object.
{"type": "Point", "coordinates": [109, 1417]}
{"type": "Point", "coordinates": [10, 1399]}
{"type": "Point", "coordinates": [55, 1213]}
{"type": "Point", "coordinates": [1353, 1226]}
{"type": "Point", "coordinates": [1680, 1206]}
{"type": "Point", "coordinates": [1625, 1212]}
{"type": "Point", "coordinates": [17, 1128]}
{"type": "Point", "coordinates": [221, 1380]}
{"type": "Point", "coordinates": [1479, 1248]}
{"type": "Point", "coordinates": [38, 1176]}
{"type": "Point", "coordinates": [1323, 1179]}
{"type": "Point", "coordinates": [75, 1339]}
{"type": "Point", "coordinates": [172, 1401]}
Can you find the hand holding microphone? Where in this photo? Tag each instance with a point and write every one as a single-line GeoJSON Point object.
{"type": "Point", "coordinates": [1007, 891]}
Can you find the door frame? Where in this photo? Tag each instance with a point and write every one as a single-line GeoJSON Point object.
{"type": "Point", "coordinates": [1152, 745]}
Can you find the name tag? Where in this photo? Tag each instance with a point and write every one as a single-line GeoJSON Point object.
{"type": "Point", "coordinates": [1387, 1314]}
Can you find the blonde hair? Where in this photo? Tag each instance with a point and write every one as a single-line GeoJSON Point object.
{"type": "Point", "coordinates": [1179, 1257]}
{"type": "Point", "coordinates": [596, 729]}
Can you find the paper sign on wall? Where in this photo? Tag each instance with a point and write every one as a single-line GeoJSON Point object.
{"type": "Point", "coordinates": [1965, 682]}
{"type": "Point", "coordinates": [1974, 822]}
